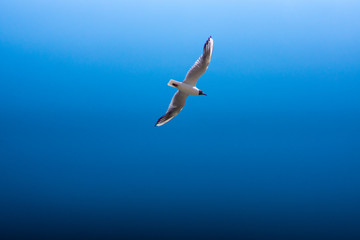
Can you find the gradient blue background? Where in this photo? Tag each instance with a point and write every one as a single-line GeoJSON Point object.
{"type": "Point", "coordinates": [273, 151]}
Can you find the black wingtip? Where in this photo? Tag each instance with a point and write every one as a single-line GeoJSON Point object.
{"type": "Point", "coordinates": [156, 124]}
{"type": "Point", "coordinates": [207, 41]}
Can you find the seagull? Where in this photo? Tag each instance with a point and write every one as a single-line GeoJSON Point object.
{"type": "Point", "coordinates": [188, 86]}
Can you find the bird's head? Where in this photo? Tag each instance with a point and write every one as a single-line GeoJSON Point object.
{"type": "Point", "coordinates": [202, 93]}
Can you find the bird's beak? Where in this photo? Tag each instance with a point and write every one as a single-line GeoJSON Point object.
{"type": "Point", "coordinates": [202, 93]}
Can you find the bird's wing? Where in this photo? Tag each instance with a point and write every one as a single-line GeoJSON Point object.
{"type": "Point", "coordinates": [177, 103]}
{"type": "Point", "coordinates": [201, 64]}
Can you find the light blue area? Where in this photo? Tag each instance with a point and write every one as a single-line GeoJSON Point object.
{"type": "Point", "coordinates": [274, 146]}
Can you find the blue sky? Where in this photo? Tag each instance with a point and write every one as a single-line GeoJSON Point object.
{"type": "Point", "coordinates": [273, 151]}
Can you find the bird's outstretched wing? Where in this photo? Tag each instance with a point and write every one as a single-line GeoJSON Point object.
{"type": "Point", "coordinates": [200, 65]}
{"type": "Point", "coordinates": [177, 103]}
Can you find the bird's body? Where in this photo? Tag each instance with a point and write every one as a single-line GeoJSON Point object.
{"type": "Point", "coordinates": [184, 87]}
{"type": "Point", "coordinates": [188, 86]}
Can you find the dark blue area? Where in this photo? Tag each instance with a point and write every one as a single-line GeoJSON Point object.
{"type": "Point", "coordinates": [272, 153]}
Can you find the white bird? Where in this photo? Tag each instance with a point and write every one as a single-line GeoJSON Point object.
{"type": "Point", "coordinates": [188, 86]}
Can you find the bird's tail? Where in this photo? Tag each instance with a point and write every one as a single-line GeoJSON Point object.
{"type": "Point", "coordinates": [173, 83]}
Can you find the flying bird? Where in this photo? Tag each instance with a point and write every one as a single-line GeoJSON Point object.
{"type": "Point", "coordinates": [188, 86]}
